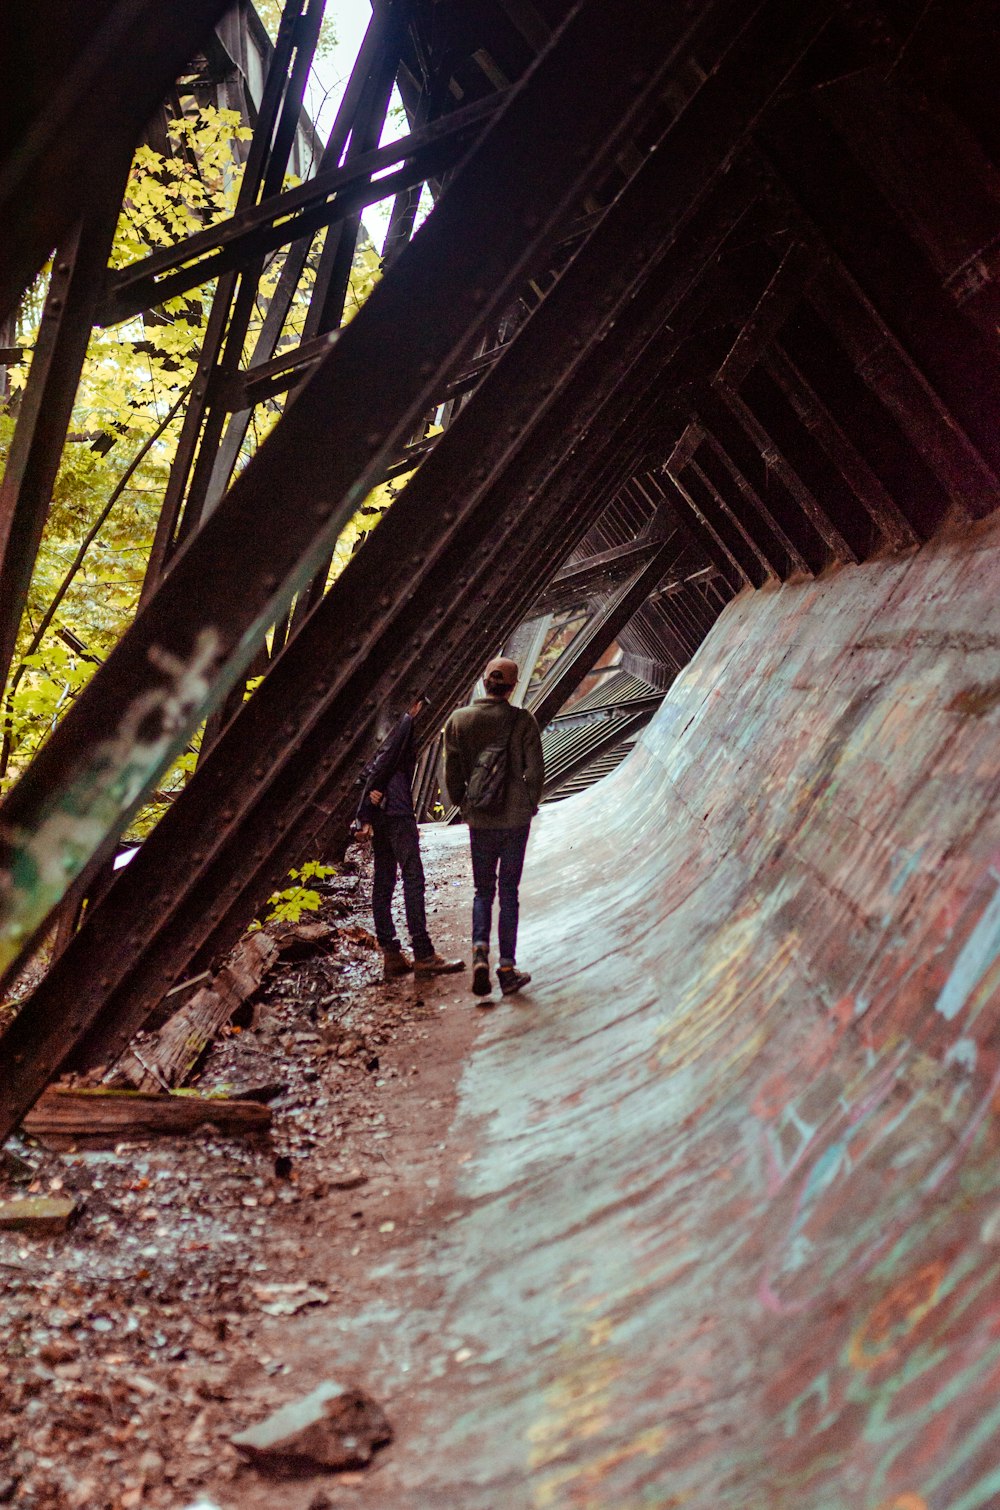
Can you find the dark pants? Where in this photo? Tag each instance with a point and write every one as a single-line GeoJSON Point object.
{"type": "Point", "coordinates": [396, 842]}
{"type": "Point", "coordinates": [493, 849]}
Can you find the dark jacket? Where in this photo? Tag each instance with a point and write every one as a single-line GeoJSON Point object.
{"type": "Point", "coordinates": [391, 773]}
{"type": "Point", "coordinates": [485, 722]}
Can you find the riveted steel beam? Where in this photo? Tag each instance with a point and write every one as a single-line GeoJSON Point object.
{"type": "Point", "coordinates": [293, 266]}
{"type": "Point", "coordinates": [582, 655]}
{"type": "Point", "coordinates": [232, 302]}
{"type": "Point", "coordinates": [187, 906]}
{"type": "Point", "coordinates": [47, 404]}
{"type": "Point", "coordinates": [726, 522]}
{"type": "Point", "coordinates": [883, 510]}
{"type": "Point", "coordinates": [774, 459]}
{"type": "Point", "coordinates": [201, 628]}
{"type": "Point", "coordinates": [780, 528]}
{"type": "Point", "coordinates": [286, 216]}
{"type": "Point", "coordinates": [65, 156]}
{"type": "Point", "coordinates": [603, 129]}
{"type": "Point", "coordinates": [892, 266]}
{"type": "Point", "coordinates": [157, 890]}
{"type": "Point", "coordinates": [602, 572]}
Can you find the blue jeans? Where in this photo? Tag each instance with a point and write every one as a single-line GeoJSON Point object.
{"type": "Point", "coordinates": [396, 843]}
{"type": "Point", "coordinates": [493, 849]}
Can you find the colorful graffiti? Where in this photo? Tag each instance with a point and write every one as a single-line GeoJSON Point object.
{"type": "Point", "coordinates": [730, 1237]}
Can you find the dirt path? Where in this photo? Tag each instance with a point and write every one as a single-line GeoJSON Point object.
{"type": "Point", "coordinates": [207, 1280]}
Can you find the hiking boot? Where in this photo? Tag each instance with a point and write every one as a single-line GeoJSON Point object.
{"type": "Point", "coordinates": [395, 963]}
{"type": "Point", "coordinates": [434, 964]}
{"type": "Point", "coordinates": [511, 979]}
{"type": "Point", "coordinates": [481, 971]}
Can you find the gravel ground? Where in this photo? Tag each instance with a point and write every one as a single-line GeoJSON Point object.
{"type": "Point", "coordinates": [137, 1343]}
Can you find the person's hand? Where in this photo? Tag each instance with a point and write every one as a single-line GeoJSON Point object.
{"type": "Point", "coordinates": [363, 831]}
{"type": "Point", "coordinates": [375, 798]}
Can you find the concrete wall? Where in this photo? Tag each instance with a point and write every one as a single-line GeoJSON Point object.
{"type": "Point", "coordinates": [731, 1230]}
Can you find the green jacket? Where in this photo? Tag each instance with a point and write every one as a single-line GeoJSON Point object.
{"type": "Point", "coordinates": [486, 722]}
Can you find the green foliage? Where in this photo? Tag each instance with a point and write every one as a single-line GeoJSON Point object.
{"type": "Point", "coordinates": [133, 376]}
{"type": "Point", "coordinates": [288, 906]}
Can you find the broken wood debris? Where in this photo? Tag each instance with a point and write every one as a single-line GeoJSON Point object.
{"type": "Point", "coordinates": [170, 1058]}
{"type": "Point", "coordinates": [87, 1117]}
{"type": "Point", "coordinates": [173, 1054]}
{"type": "Point", "coordinates": [41, 1215]}
{"type": "Point", "coordinates": [304, 940]}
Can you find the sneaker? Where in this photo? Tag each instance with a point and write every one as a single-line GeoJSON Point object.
{"type": "Point", "coordinates": [481, 971]}
{"type": "Point", "coordinates": [511, 979]}
{"type": "Point", "coordinates": [395, 963]}
{"type": "Point", "coordinates": [434, 964]}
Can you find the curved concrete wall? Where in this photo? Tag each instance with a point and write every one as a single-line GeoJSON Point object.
{"type": "Point", "coordinates": [730, 1236]}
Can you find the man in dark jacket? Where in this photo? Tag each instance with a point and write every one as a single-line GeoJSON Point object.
{"type": "Point", "coordinates": [386, 814]}
{"type": "Point", "coordinates": [497, 837]}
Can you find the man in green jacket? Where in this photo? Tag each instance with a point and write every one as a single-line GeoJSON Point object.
{"type": "Point", "coordinates": [497, 834]}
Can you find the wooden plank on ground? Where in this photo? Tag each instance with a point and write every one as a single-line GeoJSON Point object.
{"type": "Point", "coordinates": [61, 1117]}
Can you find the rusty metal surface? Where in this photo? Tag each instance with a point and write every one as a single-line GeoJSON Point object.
{"type": "Point", "coordinates": [176, 663]}
{"type": "Point", "coordinates": [730, 1231]}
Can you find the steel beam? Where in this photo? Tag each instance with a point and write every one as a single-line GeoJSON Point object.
{"type": "Point", "coordinates": [66, 156]}
{"type": "Point", "coordinates": [494, 597]}
{"type": "Point", "coordinates": [582, 655]}
{"type": "Point", "coordinates": [728, 482]}
{"type": "Point", "coordinates": [761, 491]}
{"type": "Point", "coordinates": [146, 892]}
{"type": "Point", "coordinates": [314, 786]}
{"type": "Point", "coordinates": [895, 271]}
{"type": "Point", "coordinates": [613, 731]}
{"type": "Point", "coordinates": [776, 461]}
{"type": "Point", "coordinates": [931, 426]}
{"type": "Point", "coordinates": [225, 329]}
{"type": "Point", "coordinates": [295, 259]}
{"type": "Point", "coordinates": [727, 524]}
{"type": "Point", "coordinates": [580, 580]}
{"type": "Point", "coordinates": [329, 291]}
{"type": "Point", "coordinates": [40, 434]}
{"type": "Point", "coordinates": [878, 503]}
{"type": "Point", "coordinates": [494, 250]}
{"type": "Point", "coordinates": [717, 543]}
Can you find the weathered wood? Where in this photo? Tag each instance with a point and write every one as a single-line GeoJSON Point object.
{"type": "Point", "coordinates": [88, 1116]}
{"type": "Point", "coordinates": [41, 1215]}
{"type": "Point", "coordinates": [171, 1057]}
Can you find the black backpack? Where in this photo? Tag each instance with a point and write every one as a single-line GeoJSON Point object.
{"type": "Point", "coordinates": [487, 784]}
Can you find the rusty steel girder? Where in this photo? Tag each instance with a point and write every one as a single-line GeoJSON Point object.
{"type": "Point", "coordinates": [612, 120]}
{"type": "Point", "coordinates": [640, 342]}
{"type": "Point", "coordinates": [200, 629]}
{"type": "Point", "coordinates": [211, 913]}
{"type": "Point", "coordinates": [195, 883]}
{"type": "Point", "coordinates": [114, 64]}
